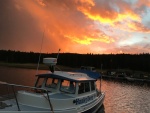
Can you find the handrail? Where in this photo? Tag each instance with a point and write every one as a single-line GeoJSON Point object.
{"type": "Point", "coordinates": [16, 98]}
{"type": "Point", "coordinates": [17, 85]}
{"type": "Point", "coordinates": [23, 86]}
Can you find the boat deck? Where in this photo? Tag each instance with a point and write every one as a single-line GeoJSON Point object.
{"type": "Point", "coordinates": [10, 105]}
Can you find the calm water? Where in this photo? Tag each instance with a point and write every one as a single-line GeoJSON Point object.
{"type": "Point", "coordinates": [120, 97]}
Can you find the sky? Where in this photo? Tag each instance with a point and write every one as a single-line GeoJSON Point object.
{"type": "Point", "coordinates": [75, 26]}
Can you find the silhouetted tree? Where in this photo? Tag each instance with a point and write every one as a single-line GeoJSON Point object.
{"type": "Point", "coordinates": [139, 62]}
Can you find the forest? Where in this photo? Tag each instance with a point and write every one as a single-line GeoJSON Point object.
{"type": "Point", "coordinates": [140, 62]}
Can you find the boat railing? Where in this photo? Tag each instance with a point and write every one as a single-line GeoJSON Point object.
{"type": "Point", "coordinates": [13, 87]}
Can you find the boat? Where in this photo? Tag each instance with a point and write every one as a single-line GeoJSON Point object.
{"type": "Point", "coordinates": [55, 92]}
{"type": "Point", "coordinates": [133, 79]}
{"type": "Point", "coordinates": [88, 68]}
{"type": "Point", "coordinates": [115, 75]}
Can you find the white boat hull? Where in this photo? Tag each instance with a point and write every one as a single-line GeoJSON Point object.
{"type": "Point", "coordinates": [91, 107]}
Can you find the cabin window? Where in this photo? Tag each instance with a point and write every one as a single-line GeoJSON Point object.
{"type": "Point", "coordinates": [87, 87]}
{"type": "Point", "coordinates": [67, 86]}
{"type": "Point", "coordinates": [51, 83]}
{"type": "Point", "coordinates": [84, 87]}
{"type": "Point", "coordinates": [81, 88]}
{"type": "Point", "coordinates": [39, 82]}
{"type": "Point", "coordinates": [92, 86]}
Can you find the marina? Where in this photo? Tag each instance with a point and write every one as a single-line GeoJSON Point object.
{"type": "Point", "coordinates": [136, 77]}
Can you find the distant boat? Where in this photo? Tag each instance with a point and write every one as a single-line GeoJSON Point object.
{"type": "Point", "coordinates": [89, 68]}
{"type": "Point", "coordinates": [115, 75]}
{"type": "Point", "coordinates": [137, 79]}
{"type": "Point", "coordinates": [56, 92]}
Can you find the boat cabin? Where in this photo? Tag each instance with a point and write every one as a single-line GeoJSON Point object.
{"type": "Point", "coordinates": [75, 83]}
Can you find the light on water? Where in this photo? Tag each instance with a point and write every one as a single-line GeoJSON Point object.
{"type": "Point", "coordinates": [126, 98]}
{"type": "Point", "coordinates": [120, 97]}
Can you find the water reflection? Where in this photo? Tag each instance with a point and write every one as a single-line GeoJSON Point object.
{"type": "Point", "coordinates": [101, 109]}
{"type": "Point", "coordinates": [122, 97]}
{"type": "Point", "coordinates": [18, 75]}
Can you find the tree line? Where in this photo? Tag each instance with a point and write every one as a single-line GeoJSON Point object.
{"type": "Point", "coordinates": [140, 62]}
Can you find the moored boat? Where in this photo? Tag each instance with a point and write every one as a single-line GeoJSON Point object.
{"type": "Point", "coordinates": [56, 92]}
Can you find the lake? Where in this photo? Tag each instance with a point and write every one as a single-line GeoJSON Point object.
{"type": "Point", "coordinates": [121, 97]}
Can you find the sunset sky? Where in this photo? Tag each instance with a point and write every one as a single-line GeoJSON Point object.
{"type": "Point", "coordinates": [75, 26]}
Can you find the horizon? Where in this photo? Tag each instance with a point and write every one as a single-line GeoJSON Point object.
{"type": "Point", "coordinates": [77, 53]}
{"type": "Point", "coordinates": [76, 26]}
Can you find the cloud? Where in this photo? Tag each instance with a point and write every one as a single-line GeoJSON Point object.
{"type": "Point", "coordinates": [82, 26]}
{"type": "Point", "coordinates": [41, 2]}
{"type": "Point", "coordinates": [18, 29]}
{"type": "Point", "coordinates": [106, 12]}
{"type": "Point", "coordinates": [138, 27]}
{"type": "Point", "coordinates": [141, 3]}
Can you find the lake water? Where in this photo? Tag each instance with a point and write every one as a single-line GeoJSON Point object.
{"type": "Point", "coordinates": [120, 97]}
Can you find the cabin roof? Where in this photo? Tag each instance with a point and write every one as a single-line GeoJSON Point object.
{"type": "Point", "coordinates": [71, 76]}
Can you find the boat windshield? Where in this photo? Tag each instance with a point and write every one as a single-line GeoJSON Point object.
{"type": "Point", "coordinates": [51, 83]}
{"type": "Point", "coordinates": [67, 86]}
{"type": "Point", "coordinates": [83, 87]}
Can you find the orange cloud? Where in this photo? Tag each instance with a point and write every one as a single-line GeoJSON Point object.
{"type": "Point", "coordinates": [105, 14]}
{"type": "Point", "coordinates": [41, 3]}
{"type": "Point", "coordinates": [143, 3]}
{"type": "Point", "coordinates": [108, 20]}
{"type": "Point", "coordinates": [138, 27]}
{"type": "Point", "coordinates": [85, 2]}
{"type": "Point", "coordinates": [131, 26]}
{"type": "Point", "coordinates": [88, 40]}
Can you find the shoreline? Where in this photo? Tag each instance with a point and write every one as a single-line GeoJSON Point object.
{"type": "Point", "coordinates": [34, 66]}
{"type": "Point", "coordinates": [135, 74]}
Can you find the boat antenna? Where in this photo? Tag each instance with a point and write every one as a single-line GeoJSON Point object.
{"type": "Point", "coordinates": [40, 53]}
{"type": "Point", "coordinates": [58, 54]}
{"type": "Point", "coordinates": [101, 84]}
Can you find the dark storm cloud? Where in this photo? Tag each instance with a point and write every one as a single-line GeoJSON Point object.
{"type": "Point", "coordinates": [17, 27]}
